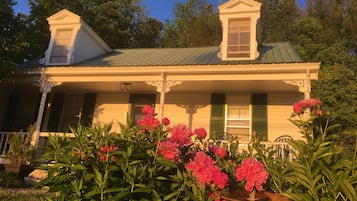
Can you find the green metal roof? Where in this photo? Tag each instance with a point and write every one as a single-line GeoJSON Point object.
{"type": "Point", "coordinates": [281, 52]}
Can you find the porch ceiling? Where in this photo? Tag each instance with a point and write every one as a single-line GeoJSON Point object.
{"type": "Point", "coordinates": [185, 86]}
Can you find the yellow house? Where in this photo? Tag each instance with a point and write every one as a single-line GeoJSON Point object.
{"type": "Point", "coordinates": [242, 87]}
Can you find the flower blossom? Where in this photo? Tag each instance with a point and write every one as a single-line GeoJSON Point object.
{"type": "Point", "coordinates": [312, 104]}
{"type": "Point", "coordinates": [106, 150]}
{"type": "Point", "coordinates": [169, 151]}
{"type": "Point", "coordinates": [201, 133]}
{"type": "Point", "coordinates": [148, 121]}
{"type": "Point", "coordinates": [165, 121]}
{"type": "Point", "coordinates": [218, 151]}
{"type": "Point", "coordinates": [181, 135]}
{"type": "Point", "coordinates": [204, 170]}
{"type": "Point", "coordinates": [147, 109]}
{"type": "Point", "coordinates": [253, 172]}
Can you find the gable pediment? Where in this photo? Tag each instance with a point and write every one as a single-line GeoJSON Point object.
{"type": "Point", "coordinates": [234, 6]}
{"type": "Point", "coordinates": [64, 17]}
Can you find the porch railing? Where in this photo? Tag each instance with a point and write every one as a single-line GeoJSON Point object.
{"type": "Point", "coordinates": [282, 149]}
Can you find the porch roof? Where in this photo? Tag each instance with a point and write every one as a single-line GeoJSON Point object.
{"type": "Point", "coordinates": [281, 52]}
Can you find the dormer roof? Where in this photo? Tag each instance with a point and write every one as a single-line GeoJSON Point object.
{"type": "Point", "coordinates": [72, 40]}
{"type": "Point", "coordinates": [232, 7]}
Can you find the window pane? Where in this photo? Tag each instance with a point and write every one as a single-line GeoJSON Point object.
{"type": "Point", "coordinates": [239, 133]}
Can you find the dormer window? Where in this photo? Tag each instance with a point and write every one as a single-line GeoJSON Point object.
{"type": "Point", "coordinates": [238, 38]}
{"type": "Point", "coordinates": [72, 40]}
{"type": "Point", "coordinates": [241, 27]}
{"type": "Point", "coordinates": [61, 46]}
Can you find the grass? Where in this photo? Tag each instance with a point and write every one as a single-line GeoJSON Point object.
{"type": "Point", "coordinates": [23, 194]}
{"type": "Point", "coordinates": [13, 188]}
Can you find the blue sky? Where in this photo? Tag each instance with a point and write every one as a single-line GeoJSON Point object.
{"type": "Point", "coordinates": [159, 9]}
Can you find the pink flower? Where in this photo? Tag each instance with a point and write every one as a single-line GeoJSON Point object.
{"type": "Point", "coordinates": [165, 121]}
{"type": "Point", "coordinates": [201, 133]}
{"type": "Point", "coordinates": [149, 122]}
{"type": "Point", "coordinates": [181, 135]}
{"type": "Point", "coordinates": [147, 109]}
{"type": "Point", "coordinates": [204, 170]}
{"type": "Point", "coordinates": [169, 151]}
{"type": "Point", "coordinates": [106, 150]}
{"type": "Point", "coordinates": [297, 108]}
{"type": "Point", "coordinates": [300, 106]}
{"type": "Point", "coordinates": [220, 179]}
{"type": "Point", "coordinates": [218, 151]}
{"type": "Point", "coordinates": [253, 172]}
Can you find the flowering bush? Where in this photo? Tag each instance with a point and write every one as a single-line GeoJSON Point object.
{"type": "Point", "coordinates": [323, 168]}
{"type": "Point", "coordinates": [149, 161]}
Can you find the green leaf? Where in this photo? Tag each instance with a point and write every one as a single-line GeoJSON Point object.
{"type": "Point", "coordinates": [348, 190]}
{"type": "Point", "coordinates": [171, 195]}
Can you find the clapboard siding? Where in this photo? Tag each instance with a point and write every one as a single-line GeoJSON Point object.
{"type": "Point", "coordinates": [280, 107]}
{"type": "Point", "coordinates": [111, 107]}
{"type": "Point", "coordinates": [176, 109]}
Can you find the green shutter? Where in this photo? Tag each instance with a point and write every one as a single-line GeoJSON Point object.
{"type": "Point", "coordinates": [218, 101]}
{"type": "Point", "coordinates": [260, 115]}
{"type": "Point", "coordinates": [88, 109]}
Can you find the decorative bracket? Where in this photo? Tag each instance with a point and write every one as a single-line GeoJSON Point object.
{"type": "Point", "coordinates": [298, 83]}
{"type": "Point", "coordinates": [44, 84]}
{"type": "Point", "coordinates": [158, 85]}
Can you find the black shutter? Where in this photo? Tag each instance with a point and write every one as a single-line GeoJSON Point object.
{"type": "Point", "coordinates": [56, 112]}
{"type": "Point", "coordinates": [218, 100]}
{"type": "Point", "coordinates": [88, 109]}
{"type": "Point", "coordinates": [260, 115]}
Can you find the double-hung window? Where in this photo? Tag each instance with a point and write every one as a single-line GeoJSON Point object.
{"type": "Point", "coordinates": [238, 38]}
{"type": "Point", "coordinates": [61, 46]}
{"type": "Point", "coordinates": [237, 121]}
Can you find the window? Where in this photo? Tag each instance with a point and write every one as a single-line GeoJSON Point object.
{"type": "Point", "coordinates": [61, 46]}
{"type": "Point", "coordinates": [238, 117]}
{"type": "Point", "coordinates": [238, 38]}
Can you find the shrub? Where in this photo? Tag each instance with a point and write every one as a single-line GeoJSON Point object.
{"type": "Point", "coordinates": [149, 161]}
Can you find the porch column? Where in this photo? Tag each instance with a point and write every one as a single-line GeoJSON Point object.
{"type": "Point", "coordinates": [307, 85]}
{"type": "Point", "coordinates": [45, 88]}
{"type": "Point", "coordinates": [163, 87]}
{"type": "Point", "coordinates": [304, 85]}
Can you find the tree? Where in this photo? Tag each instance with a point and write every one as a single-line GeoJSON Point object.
{"type": "Point", "coordinates": [278, 19]}
{"type": "Point", "coordinates": [11, 38]}
{"type": "Point", "coordinates": [337, 89]}
{"type": "Point", "coordinates": [195, 24]}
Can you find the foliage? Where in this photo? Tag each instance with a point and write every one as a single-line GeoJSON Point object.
{"type": "Point", "coordinates": [150, 161]}
{"type": "Point", "coordinates": [320, 170]}
{"type": "Point", "coordinates": [278, 19]}
{"type": "Point", "coordinates": [20, 149]}
{"type": "Point", "coordinates": [337, 89]}
{"type": "Point", "coordinates": [195, 24]}
{"type": "Point", "coordinates": [9, 180]}
{"type": "Point", "coordinates": [11, 39]}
